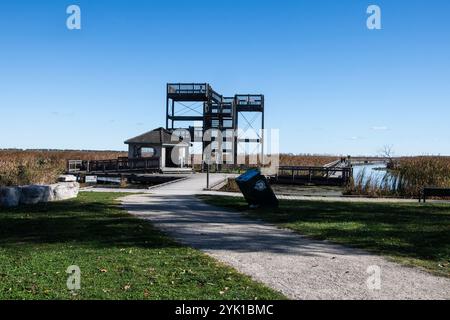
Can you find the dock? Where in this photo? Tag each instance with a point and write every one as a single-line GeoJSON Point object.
{"type": "Point", "coordinates": [302, 175]}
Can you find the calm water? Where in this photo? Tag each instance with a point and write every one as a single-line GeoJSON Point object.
{"type": "Point", "coordinates": [370, 171]}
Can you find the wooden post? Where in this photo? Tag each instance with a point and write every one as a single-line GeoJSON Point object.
{"type": "Point", "coordinates": [122, 181]}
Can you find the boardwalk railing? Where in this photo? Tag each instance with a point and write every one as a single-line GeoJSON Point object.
{"type": "Point", "coordinates": [114, 165]}
{"type": "Point", "coordinates": [313, 175]}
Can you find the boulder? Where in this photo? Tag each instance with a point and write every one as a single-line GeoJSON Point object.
{"type": "Point", "coordinates": [35, 194]}
{"type": "Point", "coordinates": [67, 178]}
{"type": "Point", "coordinates": [64, 190]}
{"type": "Point", "coordinates": [9, 197]}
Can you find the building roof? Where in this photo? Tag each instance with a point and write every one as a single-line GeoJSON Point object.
{"type": "Point", "coordinates": [157, 136]}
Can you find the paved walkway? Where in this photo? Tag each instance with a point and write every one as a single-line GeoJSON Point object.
{"type": "Point", "coordinates": [298, 267]}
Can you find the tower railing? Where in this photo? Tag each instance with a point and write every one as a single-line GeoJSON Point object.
{"type": "Point", "coordinates": [249, 99]}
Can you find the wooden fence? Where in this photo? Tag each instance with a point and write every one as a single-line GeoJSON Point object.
{"type": "Point", "coordinates": [313, 175]}
{"type": "Point", "coordinates": [114, 165]}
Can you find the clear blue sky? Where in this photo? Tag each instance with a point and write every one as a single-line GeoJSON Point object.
{"type": "Point", "coordinates": [331, 85]}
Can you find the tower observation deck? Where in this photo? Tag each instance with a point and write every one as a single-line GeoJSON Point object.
{"type": "Point", "coordinates": [199, 109]}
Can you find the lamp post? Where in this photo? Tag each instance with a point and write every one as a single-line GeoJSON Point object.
{"type": "Point", "coordinates": [207, 175]}
{"type": "Point", "coordinates": [207, 161]}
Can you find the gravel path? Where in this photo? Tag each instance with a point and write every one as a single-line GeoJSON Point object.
{"type": "Point", "coordinates": [298, 267]}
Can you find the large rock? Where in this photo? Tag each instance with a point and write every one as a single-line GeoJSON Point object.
{"type": "Point", "coordinates": [67, 178]}
{"type": "Point", "coordinates": [65, 190]}
{"type": "Point", "coordinates": [35, 194]}
{"type": "Point", "coordinates": [9, 197]}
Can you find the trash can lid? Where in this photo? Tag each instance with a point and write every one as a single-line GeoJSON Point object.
{"type": "Point", "coordinates": [248, 175]}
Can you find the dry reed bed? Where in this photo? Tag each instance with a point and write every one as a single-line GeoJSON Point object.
{"type": "Point", "coordinates": [309, 160]}
{"type": "Point", "coordinates": [406, 178]}
{"type": "Point", "coordinates": [19, 167]}
{"type": "Point", "coordinates": [418, 172]}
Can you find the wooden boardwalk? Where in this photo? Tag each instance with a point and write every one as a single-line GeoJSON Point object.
{"type": "Point", "coordinates": [313, 175]}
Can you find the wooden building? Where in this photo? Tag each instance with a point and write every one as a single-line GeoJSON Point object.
{"type": "Point", "coordinates": [160, 143]}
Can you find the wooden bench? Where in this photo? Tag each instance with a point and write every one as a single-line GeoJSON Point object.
{"type": "Point", "coordinates": [434, 192]}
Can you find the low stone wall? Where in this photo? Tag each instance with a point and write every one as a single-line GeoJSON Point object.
{"type": "Point", "coordinates": [33, 194]}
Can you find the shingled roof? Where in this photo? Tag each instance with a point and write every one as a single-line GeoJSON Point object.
{"type": "Point", "coordinates": [157, 136]}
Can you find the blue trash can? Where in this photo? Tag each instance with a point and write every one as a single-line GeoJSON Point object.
{"type": "Point", "coordinates": [256, 189]}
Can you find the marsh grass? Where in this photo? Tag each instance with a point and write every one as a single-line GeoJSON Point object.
{"type": "Point", "coordinates": [413, 174]}
{"type": "Point", "coordinates": [19, 167]}
{"type": "Point", "coordinates": [307, 160]}
{"type": "Point", "coordinates": [405, 178]}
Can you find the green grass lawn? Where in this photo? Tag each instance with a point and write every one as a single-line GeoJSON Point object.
{"type": "Point", "coordinates": [412, 234]}
{"type": "Point", "coordinates": [120, 257]}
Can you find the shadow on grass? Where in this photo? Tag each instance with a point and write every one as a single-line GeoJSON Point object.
{"type": "Point", "coordinates": [90, 220]}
